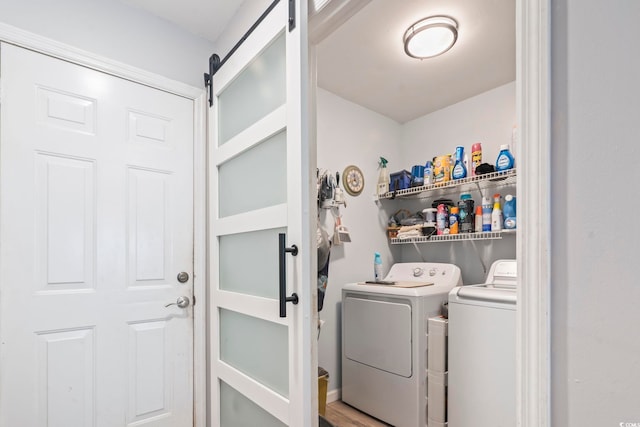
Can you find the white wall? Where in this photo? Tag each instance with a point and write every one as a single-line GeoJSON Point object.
{"type": "Point", "coordinates": [248, 12]}
{"type": "Point", "coordinates": [115, 31]}
{"type": "Point", "coordinates": [487, 118]}
{"type": "Point", "coordinates": [595, 298]}
{"type": "Point", "coordinates": [349, 134]}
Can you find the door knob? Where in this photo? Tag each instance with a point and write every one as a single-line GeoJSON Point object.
{"type": "Point", "coordinates": [182, 302]}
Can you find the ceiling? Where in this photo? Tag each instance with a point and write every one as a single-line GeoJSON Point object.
{"type": "Point", "coordinates": [363, 60]}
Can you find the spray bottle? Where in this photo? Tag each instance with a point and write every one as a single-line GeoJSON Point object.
{"type": "Point", "coordinates": [377, 267]}
{"type": "Point", "coordinates": [383, 178]}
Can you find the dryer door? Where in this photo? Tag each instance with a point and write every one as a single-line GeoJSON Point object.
{"type": "Point", "coordinates": [377, 333]}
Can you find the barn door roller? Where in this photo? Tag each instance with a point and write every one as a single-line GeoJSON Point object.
{"type": "Point", "coordinates": [215, 63]}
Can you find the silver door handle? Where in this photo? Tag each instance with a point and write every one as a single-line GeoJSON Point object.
{"type": "Point", "coordinates": [182, 302]}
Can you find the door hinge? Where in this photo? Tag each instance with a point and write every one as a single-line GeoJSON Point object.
{"type": "Point", "coordinates": [292, 15]}
{"type": "Point", "coordinates": [214, 65]}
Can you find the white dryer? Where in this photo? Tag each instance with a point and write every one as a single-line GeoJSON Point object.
{"type": "Point", "coordinates": [384, 341]}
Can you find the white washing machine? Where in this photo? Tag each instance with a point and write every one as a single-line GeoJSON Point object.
{"type": "Point", "coordinates": [482, 350]}
{"type": "Point", "coordinates": [384, 341]}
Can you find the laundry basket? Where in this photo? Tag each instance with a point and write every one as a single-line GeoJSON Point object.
{"type": "Point", "coordinates": [323, 382]}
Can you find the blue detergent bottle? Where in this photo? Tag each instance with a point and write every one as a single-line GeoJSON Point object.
{"type": "Point", "coordinates": [509, 212]}
{"type": "Point", "coordinates": [505, 159]}
{"type": "Point", "coordinates": [459, 168]}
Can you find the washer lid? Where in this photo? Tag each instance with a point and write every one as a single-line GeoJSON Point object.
{"type": "Point", "coordinates": [503, 272]}
{"type": "Point", "coordinates": [486, 293]}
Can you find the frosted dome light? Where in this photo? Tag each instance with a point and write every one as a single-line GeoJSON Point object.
{"type": "Point", "coordinates": [430, 37]}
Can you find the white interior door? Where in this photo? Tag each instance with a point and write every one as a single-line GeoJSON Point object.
{"type": "Point", "coordinates": [263, 365]}
{"type": "Point", "coordinates": [96, 222]}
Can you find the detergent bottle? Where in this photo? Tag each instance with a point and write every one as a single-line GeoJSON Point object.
{"type": "Point", "coordinates": [466, 208]}
{"type": "Point", "coordinates": [509, 212]}
{"type": "Point", "coordinates": [454, 220]}
{"type": "Point", "coordinates": [442, 220]}
{"type": "Point", "coordinates": [459, 167]}
{"type": "Point", "coordinates": [505, 159]}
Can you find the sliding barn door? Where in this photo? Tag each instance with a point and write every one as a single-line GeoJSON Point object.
{"type": "Point", "coordinates": [262, 346]}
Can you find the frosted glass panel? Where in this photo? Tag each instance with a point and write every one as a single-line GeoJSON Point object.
{"type": "Point", "coordinates": [257, 348]}
{"type": "Point", "coordinates": [255, 179]}
{"type": "Point", "coordinates": [258, 90]}
{"type": "Point", "coordinates": [249, 263]}
{"type": "Point", "coordinates": [238, 411]}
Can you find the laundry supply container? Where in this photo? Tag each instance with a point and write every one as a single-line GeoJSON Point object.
{"type": "Point", "coordinates": [400, 180]}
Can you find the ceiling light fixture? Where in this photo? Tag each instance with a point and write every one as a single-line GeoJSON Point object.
{"type": "Point", "coordinates": [430, 37]}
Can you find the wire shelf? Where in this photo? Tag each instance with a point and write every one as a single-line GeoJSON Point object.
{"type": "Point", "coordinates": [478, 182]}
{"type": "Point", "coordinates": [485, 235]}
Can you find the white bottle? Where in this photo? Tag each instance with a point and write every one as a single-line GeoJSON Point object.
{"type": "Point", "coordinates": [478, 215]}
{"type": "Point", "coordinates": [496, 214]}
{"type": "Point", "coordinates": [486, 214]}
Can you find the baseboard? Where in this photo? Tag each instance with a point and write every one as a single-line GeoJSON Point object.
{"type": "Point", "coordinates": [334, 395]}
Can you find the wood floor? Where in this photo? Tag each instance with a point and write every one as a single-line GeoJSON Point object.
{"type": "Point", "coordinates": [342, 415]}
